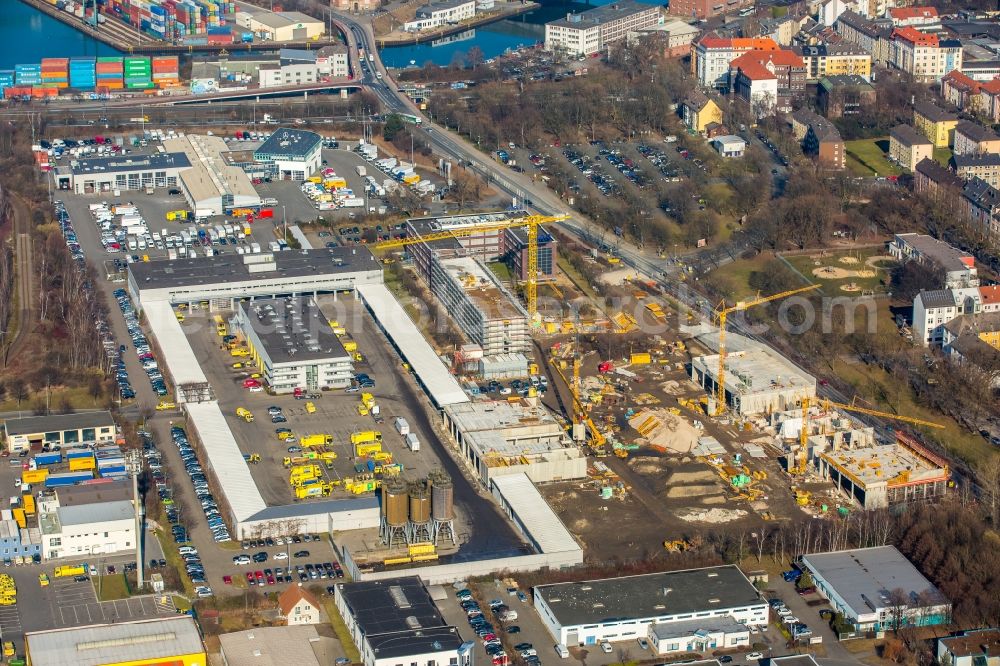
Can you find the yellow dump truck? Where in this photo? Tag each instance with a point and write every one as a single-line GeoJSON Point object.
{"type": "Point", "coordinates": [318, 439]}
{"type": "Point", "coordinates": [350, 346]}
{"type": "Point", "coordinates": [368, 400]}
{"type": "Point", "coordinates": [244, 414]}
{"type": "Point", "coordinates": [299, 474]}
{"type": "Point", "coordinates": [8, 590]}
{"type": "Point", "coordinates": [71, 570]}
{"type": "Point", "coordinates": [366, 436]}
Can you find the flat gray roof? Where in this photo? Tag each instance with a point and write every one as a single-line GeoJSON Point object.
{"type": "Point", "coordinates": [145, 640]}
{"type": "Point", "coordinates": [58, 422]}
{"type": "Point", "coordinates": [649, 595]}
{"type": "Point", "coordinates": [950, 257]}
{"type": "Point", "coordinates": [415, 641]}
{"type": "Point", "coordinates": [121, 163]}
{"type": "Point", "coordinates": [271, 646]}
{"type": "Point", "coordinates": [287, 143]}
{"type": "Point", "coordinates": [667, 630]}
{"type": "Point", "coordinates": [225, 268]}
{"type": "Point", "coordinates": [92, 493]}
{"type": "Point", "coordinates": [865, 577]}
{"type": "Point", "coordinates": [85, 514]}
{"type": "Point", "coordinates": [293, 329]}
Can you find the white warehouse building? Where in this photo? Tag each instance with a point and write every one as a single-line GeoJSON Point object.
{"type": "Point", "coordinates": [211, 184]}
{"type": "Point", "coordinates": [673, 609]}
{"type": "Point", "coordinates": [292, 343]}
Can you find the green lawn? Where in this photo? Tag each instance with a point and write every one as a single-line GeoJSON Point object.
{"type": "Point", "coordinates": [942, 156]}
{"type": "Point", "coordinates": [867, 157]}
{"type": "Point", "coordinates": [110, 588]}
{"type": "Point", "coordinates": [807, 263]}
{"type": "Point", "coordinates": [736, 276]}
{"type": "Point", "coordinates": [501, 270]}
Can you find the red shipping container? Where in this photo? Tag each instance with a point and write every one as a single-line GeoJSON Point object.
{"type": "Point", "coordinates": [265, 213]}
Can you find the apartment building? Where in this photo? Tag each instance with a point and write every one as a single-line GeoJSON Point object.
{"type": "Point", "coordinates": [593, 30]}
{"type": "Point", "coordinates": [822, 60]}
{"type": "Point", "coordinates": [986, 167]}
{"type": "Point", "coordinates": [935, 123]}
{"type": "Point", "coordinates": [441, 13]}
{"type": "Point", "coordinates": [712, 55]}
{"type": "Point", "coordinates": [981, 204]}
{"type": "Point", "coordinates": [867, 35]}
{"type": "Point", "coordinates": [935, 180]}
{"type": "Point", "coordinates": [768, 80]}
{"type": "Point", "coordinates": [974, 139]}
{"type": "Point", "coordinates": [933, 309]}
{"type": "Point", "coordinates": [962, 91]}
{"type": "Point", "coordinates": [907, 147]}
{"type": "Point", "coordinates": [959, 267]}
{"type": "Point", "coordinates": [924, 56]}
{"type": "Point", "coordinates": [705, 9]}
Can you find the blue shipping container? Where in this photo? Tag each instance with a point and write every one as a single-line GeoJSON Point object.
{"type": "Point", "coordinates": [50, 458]}
{"type": "Point", "coordinates": [79, 453]}
{"type": "Point", "coordinates": [67, 479]}
{"type": "Point", "coordinates": [109, 471]}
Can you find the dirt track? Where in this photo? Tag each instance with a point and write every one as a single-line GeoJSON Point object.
{"type": "Point", "coordinates": [23, 262]}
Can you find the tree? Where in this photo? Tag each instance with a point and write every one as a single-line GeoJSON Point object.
{"type": "Point", "coordinates": [475, 57]}
{"type": "Point", "coordinates": [393, 126]}
{"type": "Point", "coordinates": [898, 602]}
{"type": "Point", "coordinates": [18, 390]}
{"type": "Point", "coordinates": [911, 277]}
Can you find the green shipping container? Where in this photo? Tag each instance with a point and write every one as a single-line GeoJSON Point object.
{"type": "Point", "coordinates": [139, 85]}
{"type": "Point", "coordinates": [109, 59]}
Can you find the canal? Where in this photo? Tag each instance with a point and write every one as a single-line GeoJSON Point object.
{"type": "Point", "coordinates": [27, 35]}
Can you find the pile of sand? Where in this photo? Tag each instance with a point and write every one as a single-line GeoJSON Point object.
{"type": "Point", "coordinates": [702, 476]}
{"type": "Point", "coordinates": [621, 276]}
{"type": "Point", "coordinates": [712, 515]}
{"type": "Point", "coordinates": [848, 260]}
{"type": "Point", "coordinates": [691, 491]}
{"type": "Point", "coordinates": [837, 273]}
{"type": "Point", "coordinates": [664, 431]}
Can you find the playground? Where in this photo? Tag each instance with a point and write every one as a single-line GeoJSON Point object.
{"type": "Point", "coordinates": [863, 272]}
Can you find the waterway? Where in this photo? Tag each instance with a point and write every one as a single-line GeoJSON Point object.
{"type": "Point", "coordinates": [494, 39]}
{"type": "Point", "coordinates": [27, 35]}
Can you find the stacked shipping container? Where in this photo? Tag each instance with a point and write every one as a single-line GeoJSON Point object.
{"type": "Point", "coordinates": [55, 72]}
{"type": "Point", "coordinates": [6, 81]}
{"type": "Point", "coordinates": [82, 73]}
{"type": "Point", "coordinates": [166, 71]}
{"type": "Point", "coordinates": [172, 20]}
{"type": "Point", "coordinates": [138, 73]}
{"type": "Point", "coordinates": [110, 75]}
{"type": "Point", "coordinates": [28, 75]}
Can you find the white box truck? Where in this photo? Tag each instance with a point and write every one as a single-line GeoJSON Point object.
{"type": "Point", "coordinates": [412, 443]}
{"type": "Point", "coordinates": [255, 248]}
{"type": "Point", "coordinates": [202, 214]}
{"type": "Point", "coordinates": [361, 170]}
{"type": "Point", "coordinates": [402, 427]}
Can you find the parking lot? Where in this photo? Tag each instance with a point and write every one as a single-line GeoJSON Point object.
{"type": "Point", "coordinates": [66, 602]}
{"type": "Point", "coordinates": [336, 411]}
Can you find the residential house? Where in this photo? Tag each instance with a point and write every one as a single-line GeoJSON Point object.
{"type": "Point", "coordinates": [935, 123]}
{"type": "Point", "coordinates": [822, 60]}
{"type": "Point", "coordinates": [974, 139]}
{"type": "Point", "coordinates": [933, 309]}
{"type": "Point", "coordinates": [712, 55]}
{"type": "Point", "coordinates": [981, 204]}
{"type": "Point", "coordinates": [676, 36]}
{"type": "Point", "coordinates": [907, 147]}
{"type": "Point", "coordinates": [922, 18]}
{"type": "Point", "coordinates": [959, 267]}
{"type": "Point", "coordinates": [768, 80]}
{"type": "Point", "coordinates": [986, 167]}
{"type": "Point", "coordinates": [935, 180]}
{"type": "Point", "coordinates": [990, 94]}
{"type": "Point", "coordinates": [698, 110]}
{"type": "Point", "coordinates": [925, 57]}
{"type": "Point", "coordinates": [844, 95]}
{"type": "Point", "coordinates": [959, 90]}
{"type": "Point", "coordinates": [299, 606]}
{"type": "Point", "coordinates": [977, 647]}
{"type": "Point", "coordinates": [975, 339]}
{"type": "Point", "coordinates": [781, 29]}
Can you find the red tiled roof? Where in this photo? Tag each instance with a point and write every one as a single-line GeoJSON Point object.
{"type": "Point", "coordinates": [960, 80]}
{"type": "Point", "coordinates": [904, 13]}
{"type": "Point", "coordinates": [991, 87]}
{"type": "Point", "coordinates": [914, 36]}
{"type": "Point", "coordinates": [756, 71]}
{"type": "Point", "coordinates": [989, 295]}
{"type": "Point", "coordinates": [713, 41]}
{"type": "Point", "coordinates": [782, 58]}
{"type": "Point", "coordinates": [292, 596]}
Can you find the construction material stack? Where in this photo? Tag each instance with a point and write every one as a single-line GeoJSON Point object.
{"type": "Point", "coordinates": [83, 74]}
{"type": "Point", "coordinates": [110, 73]}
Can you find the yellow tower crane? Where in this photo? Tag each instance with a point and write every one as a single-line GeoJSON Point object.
{"type": "Point", "coordinates": [721, 314]}
{"type": "Point", "coordinates": [530, 222]}
{"type": "Point", "coordinates": [800, 468]}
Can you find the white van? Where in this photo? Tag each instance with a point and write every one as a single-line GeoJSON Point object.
{"type": "Point", "coordinates": [412, 443]}
{"type": "Point", "coordinates": [562, 651]}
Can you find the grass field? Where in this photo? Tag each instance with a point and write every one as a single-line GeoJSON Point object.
{"type": "Point", "coordinates": [867, 157]}
{"type": "Point", "coordinates": [942, 156]}
{"type": "Point", "coordinates": [110, 588]}
{"type": "Point", "coordinates": [736, 275]}
{"type": "Point", "coordinates": [841, 263]}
